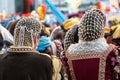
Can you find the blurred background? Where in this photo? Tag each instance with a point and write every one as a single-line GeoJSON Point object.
{"type": "Point", "coordinates": [66, 6]}
{"type": "Point", "coordinates": [46, 9]}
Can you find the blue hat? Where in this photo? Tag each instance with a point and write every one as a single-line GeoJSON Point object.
{"type": "Point", "coordinates": [44, 43]}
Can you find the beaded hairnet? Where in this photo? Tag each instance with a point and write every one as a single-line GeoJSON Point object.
{"type": "Point", "coordinates": [92, 25]}
{"type": "Point", "coordinates": [70, 37]}
{"type": "Point", "coordinates": [25, 29]}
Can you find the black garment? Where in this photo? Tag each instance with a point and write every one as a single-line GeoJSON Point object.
{"type": "Point", "coordinates": [25, 66]}
{"type": "Point", "coordinates": [1, 42]}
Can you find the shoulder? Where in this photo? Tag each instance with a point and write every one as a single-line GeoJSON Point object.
{"type": "Point", "coordinates": [72, 48]}
{"type": "Point", "coordinates": [41, 57]}
{"type": "Point", "coordinates": [32, 57]}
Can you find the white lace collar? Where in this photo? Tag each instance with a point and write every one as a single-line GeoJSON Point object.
{"type": "Point", "coordinates": [99, 45]}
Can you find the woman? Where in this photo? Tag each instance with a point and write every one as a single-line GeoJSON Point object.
{"type": "Point", "coordinates": [92, 58]}
{"type": "Point", "coordinates": [22, 61]}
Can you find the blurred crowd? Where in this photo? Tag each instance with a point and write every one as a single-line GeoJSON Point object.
{"type": "Point", "coordinates": [61, 40]}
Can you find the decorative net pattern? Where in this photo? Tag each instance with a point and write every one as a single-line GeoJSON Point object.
{"type": "Point", "coordinates": [25, 30]}
{"type": "Point", "coordinates": [92, 25]}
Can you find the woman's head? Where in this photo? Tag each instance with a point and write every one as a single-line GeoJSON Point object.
{"type": "Point", "coordinates": [26, 31]}
{"type": "Point", "coordinates": [92, 25]}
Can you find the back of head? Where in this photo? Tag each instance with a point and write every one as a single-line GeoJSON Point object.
{"type": "Point", "coordinates": [24, 32]}
{"type": "Point", "coordinates": [92, 25]}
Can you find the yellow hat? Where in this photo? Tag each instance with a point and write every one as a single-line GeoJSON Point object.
{"type": "Point", "coordinates": [116, 34]}
{"type": "Point", "coordinates": [114, 27]}
{"type": "Point", "coordinates": [114, 20]}
{"type": "Point", "coordinates": [68, 24]}
{"type": "Point", "coordinates": [47, 31]}
{"type": "Point", "coordinates": [106, 30]}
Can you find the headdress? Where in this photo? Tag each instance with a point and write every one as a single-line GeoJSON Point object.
{"type": "Point", "coordinates": [24, 32]}
{"type": "Point", "coordinates": [68, 24]}
{"type": "Point", "coordinates": [107, 30]}
{"type": "Point", "coordinates": [116, 33]}
{"type": "Point", "coordinates": [44, 43]}
{"type": "Point", "coordinates": [71, 37]}
{"type": "Point", "coordinates": [114, 21]}
{"type": "Point", "coordinates": [92, 25]}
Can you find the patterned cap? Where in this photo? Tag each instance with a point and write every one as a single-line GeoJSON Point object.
{"type": "Point", "coordinates": [92, 25]}
{"type": "Point", "coordinates": [71, 37]}
{"type": "Point", "coordinates": [25, 29]}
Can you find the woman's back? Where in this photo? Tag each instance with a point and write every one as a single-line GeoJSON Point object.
{"type": "Point", "coordinates": [25, 66]}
